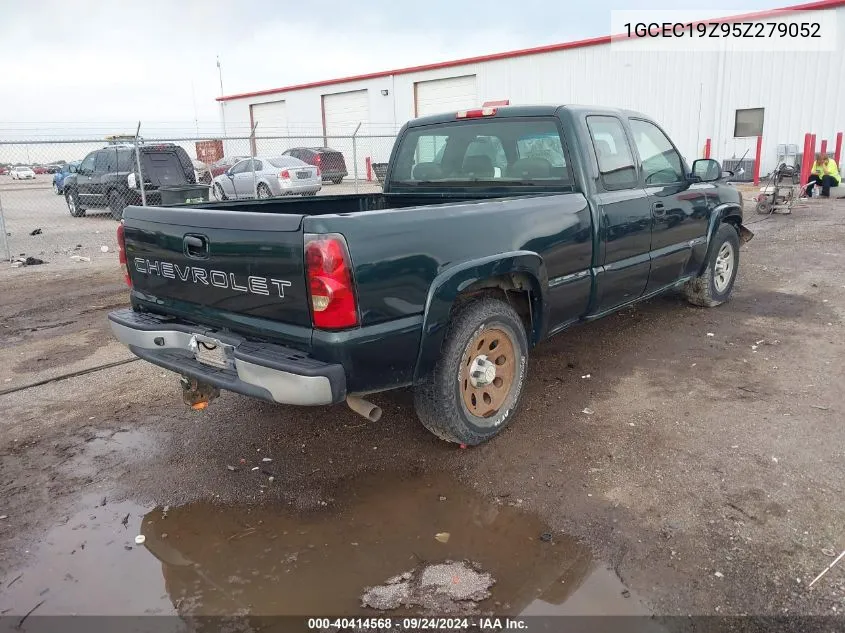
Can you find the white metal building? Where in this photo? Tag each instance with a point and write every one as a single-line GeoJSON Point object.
{"type": "Point", "coordinates": [728, 96]}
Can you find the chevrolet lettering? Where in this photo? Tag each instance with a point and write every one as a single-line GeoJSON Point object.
{"type": "Point", "coordinates": [496, 229]}
{"type": "Point", "coordinates": [216, 278]}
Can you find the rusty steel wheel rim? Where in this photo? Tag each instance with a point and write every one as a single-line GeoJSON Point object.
{"type": "Point", "coordinates": [488, 368]}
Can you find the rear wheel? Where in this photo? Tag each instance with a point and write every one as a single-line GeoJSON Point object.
{"type": "Point", "coordinates": [264, 191]}
{"type": "Point", "coordinates": [56, 189]}
{"type": "Point", "coordinates": [715, 284]}
{"type": "Point", "coordinates": [117, 203]}
{"type": "Point", "coordinates": [474, 390]}
{"type": "Point", "coordinates": [337, 181]}
{"type": "Point", "coordinates": [218, 191]}
{"type": "Point", "coordinates": [72, 199]}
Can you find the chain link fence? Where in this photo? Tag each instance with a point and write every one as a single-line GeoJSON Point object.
{"type": "Point", "coordinates": [37, 218]}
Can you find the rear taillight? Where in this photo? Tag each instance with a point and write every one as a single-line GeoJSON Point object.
{"type": "Point", "coordinates": [121, 254]}
{"type": "Point", "coordinates": [318, 160]}
{"type": "Point", "coordinates": [329, 274]}
{"type": "Point", "coordinates": [284, 175]}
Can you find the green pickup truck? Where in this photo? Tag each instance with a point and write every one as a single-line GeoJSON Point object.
{"type": "Point", "coordinates": [496, 229]}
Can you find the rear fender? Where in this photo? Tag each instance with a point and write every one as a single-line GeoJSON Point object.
{"type": "Point", "coordinates": [449, 284]}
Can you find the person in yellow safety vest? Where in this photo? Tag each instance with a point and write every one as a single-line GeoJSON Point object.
{"type": "Point", "coordinates": [825, 172]}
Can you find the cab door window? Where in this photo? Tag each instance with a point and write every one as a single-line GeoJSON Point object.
{"type": "Point", "coordinates": [662, 165]}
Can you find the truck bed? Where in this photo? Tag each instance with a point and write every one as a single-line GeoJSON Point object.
{"type": "Point", "coordinates": [347, 203]}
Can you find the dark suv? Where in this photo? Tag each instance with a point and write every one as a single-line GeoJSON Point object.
{"type": "Point", "coordinates": [108, 177]}
{"type": "Point", "coordinates": [330, 161]}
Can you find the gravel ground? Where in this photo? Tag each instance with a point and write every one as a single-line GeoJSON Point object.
{"type": "Point", "coordinates": [708, 477]}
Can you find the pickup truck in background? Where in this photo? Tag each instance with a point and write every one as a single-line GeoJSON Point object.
{"type": "Point", "coordinates": [496, 229]}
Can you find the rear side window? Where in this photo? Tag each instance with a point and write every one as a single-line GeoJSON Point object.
{"type": "Point", "coordinates": [616, 163]}
{"type": "Point", "coordinates": [125, 160]}
{"type": "Point", "coordinates": [496, 152]}
{"type": "Point", "coordinates": [102, 163]}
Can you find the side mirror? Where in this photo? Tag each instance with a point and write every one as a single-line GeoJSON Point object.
{"type": "Point", "coordinates": [72, 169]}
{"type": "Point", "coordinates": [706, 170]}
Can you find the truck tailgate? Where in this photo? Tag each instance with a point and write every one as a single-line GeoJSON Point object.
{"type": "Point", "coordinates": [242, 263]}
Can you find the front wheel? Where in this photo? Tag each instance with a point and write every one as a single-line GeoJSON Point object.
{"type": "Point", "coordinates": [218, 192]}
{"type": "Point", "coordinates": [264, 191]}
{"type": "Point", "coordinates": [476, 385]}
{"type": "Point", "coordinates": [713, 287]}
{"type": "Point", "coordinates": [72, 199]}
{"type": "Point", "coordinates": [56, 189]}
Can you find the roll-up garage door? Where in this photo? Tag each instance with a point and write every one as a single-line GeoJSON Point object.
{"type": "Point", "coordinates": [342, 112]}
{"type": "Point", "coordinates": [445, 95]}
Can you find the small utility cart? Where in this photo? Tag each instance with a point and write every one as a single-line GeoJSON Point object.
{"type": "Point", "coordinates": [782, 191]}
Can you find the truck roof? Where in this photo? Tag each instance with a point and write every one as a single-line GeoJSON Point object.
{"type": "Point", "coordinates": [529, 110]}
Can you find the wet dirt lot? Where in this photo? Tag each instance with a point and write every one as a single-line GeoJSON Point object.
{"type": "Point", "coordinates": [707, 478]}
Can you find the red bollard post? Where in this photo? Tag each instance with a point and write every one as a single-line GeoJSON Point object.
{"type": "Point", "coordinates": [838, 154]}
{"type": "Point", "coordinates": [369, 162]}
{"type": "Point", "coordinates": [805, 156]}
{"type": "Point", "coordinates": [823, 150]}
{"type": "Point", "coordinates": [707, 148]}
{"type": "Point", "coordinates": [757, 160]}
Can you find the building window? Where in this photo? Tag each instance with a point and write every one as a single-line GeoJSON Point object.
{"type": "Point", "coordinates": [749, 122]}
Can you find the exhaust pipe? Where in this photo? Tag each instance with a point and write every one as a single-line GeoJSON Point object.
{"type": "Point", "coordinates": [362, 407]}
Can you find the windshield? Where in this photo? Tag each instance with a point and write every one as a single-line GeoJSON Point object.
{"type": "Point", "coordinates": [488, 152]}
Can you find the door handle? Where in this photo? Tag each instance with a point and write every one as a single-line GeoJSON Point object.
{"type": "Point", "coordinates": [658, 209]}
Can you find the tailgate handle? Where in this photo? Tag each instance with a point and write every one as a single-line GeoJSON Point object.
{"type": "Point", "coordinates": [196, 246]}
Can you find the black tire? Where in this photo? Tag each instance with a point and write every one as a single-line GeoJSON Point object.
{"type": "Point", "coordinates": [337, 181]}
{"type": "Point", "coordinates": [73, 204]}
{"type": "Point", "coordinates": [56, 189]}
{"type": "Point", "coordinates": [117, 203]}
{"type": "Point", "coordinates": [218, 192]}
{"type": "Point", "coordinates": [440, 399]}
{"type": "Point", "coordinates": [713, 288]}
{"type": "Point", "coordinates": [263, 191]}
{"type": "Point", "coordinates": [309, 194]}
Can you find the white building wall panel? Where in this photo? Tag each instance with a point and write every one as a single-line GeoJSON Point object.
{"type": "Point", "coordinates": [694, 96]}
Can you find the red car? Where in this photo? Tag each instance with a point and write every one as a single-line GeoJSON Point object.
{"type": "Point", "coordinates": [39, 170]}
{"type": "Point", "coordinates": [4, 171]}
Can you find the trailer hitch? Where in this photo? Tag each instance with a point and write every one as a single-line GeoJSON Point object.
{"type": "Point", "coordinates": [197, 394]}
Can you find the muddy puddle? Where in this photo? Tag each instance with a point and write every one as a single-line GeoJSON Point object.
{"type": "Point", "coordinates": [208, 559]}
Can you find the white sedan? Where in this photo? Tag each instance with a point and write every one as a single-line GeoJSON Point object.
{"type": "Point", "coordinates": [22, 173]}
{"type": "Point", "coordinates": [268, 177]}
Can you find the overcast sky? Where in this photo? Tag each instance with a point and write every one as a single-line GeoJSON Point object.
{"type": "Point", "coordinates": [113, 61]}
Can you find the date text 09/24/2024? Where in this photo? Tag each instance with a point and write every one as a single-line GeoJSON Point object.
{"type": "Point", "coordinates": [418, 624]}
